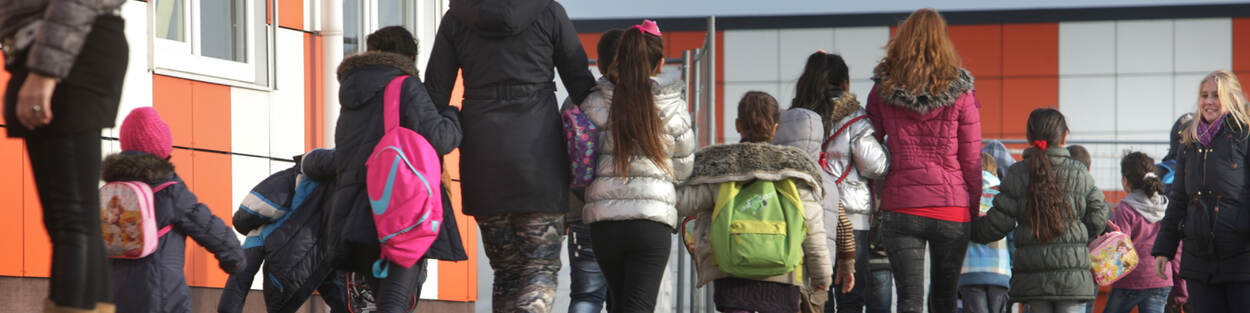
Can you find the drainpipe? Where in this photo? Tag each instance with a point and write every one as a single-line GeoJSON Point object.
{"type": "Point", "coordinates": [332, 54]}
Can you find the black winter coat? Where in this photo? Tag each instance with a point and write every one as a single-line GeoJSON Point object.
{"type": "Point", "coordinates": [353, 240]}
{"type": "Point", "coordinates": [1210, 209]}
{"type": "Point", "coordinates": [156, 283]}
{"type": "Point", "coordinates": [283, 218]}
{"type": "Point", "coordinates": [513, 159]}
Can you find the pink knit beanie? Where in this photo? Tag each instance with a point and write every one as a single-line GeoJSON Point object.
{"type": "Point", "coordinates": [144, 131]}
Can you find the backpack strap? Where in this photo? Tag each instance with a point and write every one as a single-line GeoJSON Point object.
{"type": "Point", "coordinates": [825, 145]}
{"type": "Point", "coordinates": [167, 228]}
{"type": "Point", "coordinates": [390, 102]}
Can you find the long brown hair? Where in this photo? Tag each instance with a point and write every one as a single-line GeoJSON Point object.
{"type": "Point", "coordinates": [821, 81]}
{"type": "Point", "coordinates": [635, 121]}
{"type": "Point", "coordinates": [1047, 207]}
{"type": "Point", "coordinates": [921, 59]}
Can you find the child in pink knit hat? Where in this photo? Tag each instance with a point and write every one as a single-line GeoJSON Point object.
{"type": "Point", "coordinates": [156, 283]}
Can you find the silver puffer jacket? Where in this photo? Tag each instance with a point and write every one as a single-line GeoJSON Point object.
{"type": "Point", "coordinates": [800, 128]}
{"type": "Point", "coordinates": [59, 27]}
{"type": "Point", "coordinates": [647, 192]}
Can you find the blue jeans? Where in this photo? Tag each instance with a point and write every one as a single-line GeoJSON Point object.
{"type": "Point", "coordinates": [1146, 300]}
{"type": "Point", "coordinates": [984, 299]}
{"type": "Point", "coordinates": [589, 288]}
{"type": "Point", "coordinates": [1057, 306]}
{"type": "Point", "coordinates": [880, 294]}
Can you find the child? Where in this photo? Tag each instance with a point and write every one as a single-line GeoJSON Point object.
{"type": "Point", "coordinates": [645, 148]}
{"type": "Point", "coordinates": [1080, 154]}
{"type": "Point", "coordinates": [156, 283]}
{"type": "Point", "coordinates": [987, 268]}
{"type": "Point", "coordinates": [1138, 216]}
{"type": "Point", "coordinates": [1056, 220]}
{"type": "Point", "coordinates": [756, 159]}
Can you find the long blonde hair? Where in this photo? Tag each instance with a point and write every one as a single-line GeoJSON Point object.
{"type": "Point", "coordinates": [921, 58]}
{"type": "Point", "coordinates": [1232, 100]}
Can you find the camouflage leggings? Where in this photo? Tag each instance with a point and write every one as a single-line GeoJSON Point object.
{"type": "Point", "coordinates": [524, 251]}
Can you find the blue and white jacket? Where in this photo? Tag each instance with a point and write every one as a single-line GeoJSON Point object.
{"type": "Point", "coordinates": [988, 264]}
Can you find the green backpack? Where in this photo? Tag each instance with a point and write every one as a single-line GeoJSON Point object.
{"type": "Point", "coordinates": [758, 228]}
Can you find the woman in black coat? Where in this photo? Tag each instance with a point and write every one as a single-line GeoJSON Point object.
{"type": "Point", "coordinates": [1210, 205]}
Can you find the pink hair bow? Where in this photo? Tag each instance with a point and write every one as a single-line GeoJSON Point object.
{"type": "Point", "coordinates": [649, 26]}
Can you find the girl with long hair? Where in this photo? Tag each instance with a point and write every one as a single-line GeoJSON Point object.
{"type": "Point", "coordinates": [1138, 215]}
{"type": "Point", "coordinates": [645, 147]}
{"type": "Point", "coordinates": [925, 103]}
{"type": "Point", "coordinates": [1055, 209]}
{"type": "Point", "coordinates": [825, 117]}
{"type": "Point", "coordinates": [1209, 201]}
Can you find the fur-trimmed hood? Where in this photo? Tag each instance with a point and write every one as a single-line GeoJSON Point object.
{"type": "Point", "coordinates": [924, 102]}
{"type": "Point", "coordinates": [844, 105]}
{"type": "Point", "coordinates": [132, 165]}
{"type": "Point", "coordinates": [744, 161]}
{"type": "Point", "coordinates": [356, 62]}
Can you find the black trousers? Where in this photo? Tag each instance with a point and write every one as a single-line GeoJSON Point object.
{"type": "Point", "coordinates": [905, 239]}
{"type": "Point", "coordinates": [632, 255]}
{"type": "Point", "coordinates": [67, 174]}
{"type": "Point", "coordinates": [1218, 298]}
{"type": "Point", "coordinates": [400, 290]}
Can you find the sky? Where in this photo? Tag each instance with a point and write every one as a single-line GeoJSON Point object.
{"type": "Point", "coordinates": [602, 9]}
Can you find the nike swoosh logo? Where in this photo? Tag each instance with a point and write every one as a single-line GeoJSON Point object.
{"type": "Point", "coordinates": [380, 205]}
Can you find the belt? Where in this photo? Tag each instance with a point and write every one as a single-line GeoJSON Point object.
{"type": "Point", "coordinates": [509, 91]}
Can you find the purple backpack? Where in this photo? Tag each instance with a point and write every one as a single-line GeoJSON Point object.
{"type": "Point", "coordinates": [402, 178]}
{"type": "Point", "coordinates": [582, 136]}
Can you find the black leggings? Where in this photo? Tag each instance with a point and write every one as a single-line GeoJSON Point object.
{"type": "Point", "coordinates": [905, 239]}
{"type": "Point", "coordinates": [67, 174]}
{"type": "Point", "coordinates": [632, 255]}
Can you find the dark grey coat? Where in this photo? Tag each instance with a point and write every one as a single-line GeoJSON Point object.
{"type": "Point", "coordinates": [156, 283]}
{"type": "Point", "coordinates": [514, 158]}
{"type": "Point", "coordinates": [1057, 270]}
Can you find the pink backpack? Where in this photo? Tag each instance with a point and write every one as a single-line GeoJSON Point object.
{"type": "Point", "coordinates": [1112, 256]}
{"type": "Point", "coordinates": [582, 135]}
{"type": "Point", "coordinates": [128, 219]}
{"type": "Point", "coordinates": [402, 179]}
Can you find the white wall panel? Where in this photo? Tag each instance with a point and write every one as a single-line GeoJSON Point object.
{"type": "Point", "coordinates": [1086, 48]}
{"type": "Point", "coordinates": [751, 55]}
{"type": "Point", "coordinates": [137, 89]}
{"type": "Point", "coordinates": [1204, 45]}
{"type": "Point", "coordinates": [286, 109]}
{"type": "Point", "coordinates": [249, 121]}
{"type": "Point", "coordinates": [1185, 93]}
{"type": "Point", "coordinates": [862, 48]}
{"type": "Point", "coordinates": [1143, 107]}
{"type": "Point", "coordinates": [1089, 104]}
{"type": "Point", "coordinates": [796, 45]}
{"type": "Point", "coordinates": [1144, 47]}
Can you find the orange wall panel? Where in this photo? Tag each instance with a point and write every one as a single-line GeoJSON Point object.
{"type": "Point", "coordinates": [36, 246]}
{"type": "Point", "coordinates": [1241, 45]}
{"type": "Point", "coordinates": [458, 280]}
{"type": "Point", "coordinates": [212, 171]}
{"type": "Point", "coordinates": [990, 94]}
{"type": "Point", "coordinates": [172, 99]}
{"type": "Point", "coordinates": [980, 48]}
{"type": "Point", "coordinates": [677, 42]}
{"type": "Point", "coordinates": [291, 14]}
{"type": "Point", "coordinates": [210, 107]}
{"type": "Point", "coordinates": [589, 43]}
{"type": "Point", "coordinates": [12, 161]}
{"type": "Point", "coordinates": [312, 93]}
{"type": "Point", "coordinates": [1031, 49]}
{"type": "Point", "coordinates": [1021, 96]}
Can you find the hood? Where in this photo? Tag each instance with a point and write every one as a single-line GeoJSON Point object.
{"type": "Point", "coordinates": [988, 180]}
{"type": "Point", "coordinates": [844, 105]}
{"type": "Point", "coordinates": [1150, 208]}
{"type": "Point", "coordinates": [1002, 156]}
{"type": "Point", "coordinates": [745, 161]}
{"type": "Point", "coordinates": [363, 76]}
{"type": "Point", "coordinates": [498, 18]}
{"type": "Point", "coordinates": [664, 86]}
{"type": "Point", "coordinates": [134, 165]}
{"type": "Point", "coordinates": [924, 102]}
{"type": "Point", "coordinates": [318, 165]}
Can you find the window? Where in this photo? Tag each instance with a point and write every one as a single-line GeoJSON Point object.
{"type": "Point", "coordinates": [361, 17]}
{"type": "Point", "coordinates": [225, 39]}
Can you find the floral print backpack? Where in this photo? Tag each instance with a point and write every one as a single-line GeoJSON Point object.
{"type": "Point", "coordinates": [1112, 256]}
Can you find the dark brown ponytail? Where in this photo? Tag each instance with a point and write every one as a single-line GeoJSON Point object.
{"type": "Point", "coordinates": [1047, 207]}
{"type": "Point", "coordinates": [635, 120]}
{"type": "Point", "coordinates": [1139, 169]}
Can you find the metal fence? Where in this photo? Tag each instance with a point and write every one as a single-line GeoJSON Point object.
{"type": "Point", "coordinates": [699, 72]}
{"type": "Point", "coordinates": [1105, 155]}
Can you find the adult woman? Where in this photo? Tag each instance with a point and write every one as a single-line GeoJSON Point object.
{"type": "Point", "coordinates": [924, 102]}
{"type": "Point", "coordinates": [66, 84]}
{"type": "Point", "coordinates": [1208, 207]}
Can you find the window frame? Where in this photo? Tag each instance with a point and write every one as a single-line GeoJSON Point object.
{"type": "Point", "coordinates": [184, 59]}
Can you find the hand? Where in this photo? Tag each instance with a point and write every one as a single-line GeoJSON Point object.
{"type": "Point", "coordinates": [34, 101]}
{"type": "Point", "coordinates": [845, 279]}
{"type": "Point", "coordinates": [1161, 266]}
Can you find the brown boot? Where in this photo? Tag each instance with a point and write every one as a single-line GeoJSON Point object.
{"type": "Point", "coordinates": [49, 307]}
{"type": "Point", "coordinates": [101, 307]}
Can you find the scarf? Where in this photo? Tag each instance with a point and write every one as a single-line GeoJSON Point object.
{"type": "Point", "coordinates": [1206, 131]}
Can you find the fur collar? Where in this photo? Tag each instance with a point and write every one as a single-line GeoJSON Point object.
{"type": "Point", "coordinates": [395, 60]}
{"type": "Point", "coordinates": [743, 161]}
{"type": "Point", "coordinates": [844, 105]}
{"type": "Point", "coordinates": [924, 102]}
{"type": "Point", "coordinates": [131, 165]}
